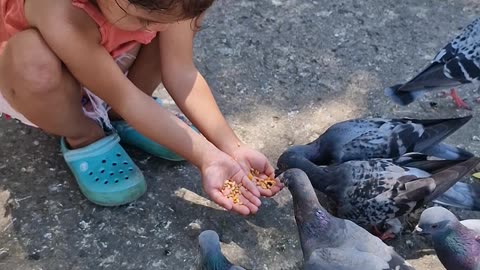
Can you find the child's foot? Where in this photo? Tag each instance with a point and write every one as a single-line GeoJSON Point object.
{"type": "Point", "coordinates": [130, 136]}
{"type": "Point", "coordinates": [104, 172]}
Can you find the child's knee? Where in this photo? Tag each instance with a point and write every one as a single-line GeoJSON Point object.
{"type": "Point", "coordinates": [28, 64]}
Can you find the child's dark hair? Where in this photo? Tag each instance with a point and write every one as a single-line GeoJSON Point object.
{"type": "Point", "coordinates": [189, 8]}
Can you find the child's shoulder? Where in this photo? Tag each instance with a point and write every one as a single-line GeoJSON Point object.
{"type": "Point", "coordinates": [57, 14]}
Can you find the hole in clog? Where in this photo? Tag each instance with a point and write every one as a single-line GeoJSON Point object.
{"type": "Point", "coordinates": [116, 180]}
{"type": "Point", "coordinates": [125, 162]}
{"type": "Point", "coordinates": [104, 161]}
{"type": "Point", "coordinates": [130, 169]}
{"type": "Point", "coordinates": [96, 179]}
{"type": "Point", "coordinates": [120, 172]}
{"type": "Point", "coordinates": [106, 182]}
{"type": "Point", "coordinates": [114, 164]}
{"type": "Point", "coordinates": [91, 173]}
{"type": "Point", "coordinates": [119, 155]}
{"type": "Point", "coordinates": [126, 177]}
{"type": "Point", "coordinates": [111, 174]}
{"type": "Point", "coordinates": [102, 171]}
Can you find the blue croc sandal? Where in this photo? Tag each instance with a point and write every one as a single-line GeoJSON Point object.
{"type": "Point", "coordinates": [104, 172]}
{"type": "Point", "coordinates": [130, 136]}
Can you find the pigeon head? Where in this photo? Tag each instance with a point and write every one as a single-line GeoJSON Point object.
{"type": "Point", "coordinates": [211, 257]}
{"type": "Point", "coordinates": [435, 220]}
{"type": "Point", "coordinates": [288, 159]}
{"type": "Point", "coordinates": [304, 196]}
{"type": "Point", "coordinates": [209, 242]}
{"type": "Point", "coordinates": [295, 179]}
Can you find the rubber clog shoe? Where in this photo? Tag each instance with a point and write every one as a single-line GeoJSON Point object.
{"type": "Point", "coordinates": [130, 136]}
{"type": "Point", "coordinates": [104, 172]}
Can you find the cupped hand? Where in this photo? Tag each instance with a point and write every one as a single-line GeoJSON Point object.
{"type": "Point", "coordinates": [220, 168]}
{"type": "Point", "coordinates": [249, 159]}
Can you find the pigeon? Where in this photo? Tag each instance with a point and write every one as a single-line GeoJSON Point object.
{"type": "Point", "coordinates": [375, 191]}
{"type": "Point", "coordinates": [472, 224]}
{"type": "Point", "coordinates": [211, 257]}
{"type": "Point", "coordinates": [332, 243]}
{"type": "Point", "coordinates": [457, 246]}
{"type": "Point", "coordinates": [364, 138]}
{"type": "Point", "coordinates": [461, 195]}
{"type": "Point", "coordinates": [456, 64]}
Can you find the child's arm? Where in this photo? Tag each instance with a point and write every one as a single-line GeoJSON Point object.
{"type": "Point", "coordinates": [74, 38]}
{"type": "Point", "coordinates": [188, 87]}
{"type": "Point", "coordinates": [192, 94]}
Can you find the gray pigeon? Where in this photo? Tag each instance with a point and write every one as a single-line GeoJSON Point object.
{"type": "Point", "coordinates": [457, 247]}
{"type": "Point", "coordinates": [372, 192]}
{"type": "Point", "coordinates": [211, 257]}
{"type": "Point", "coordinates": [472, 224]}
{"type": "Point", "coordinates": [363, 138]}
{"type": "Point", "coordinates": [332, 243]}
{"type": "Point", "coordinates": [457, 63]}
{"type": "Point", "coordinates": [461, 195]}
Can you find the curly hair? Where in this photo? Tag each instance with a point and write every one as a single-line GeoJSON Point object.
{"type": "Point", "coordinates": [189, 8]}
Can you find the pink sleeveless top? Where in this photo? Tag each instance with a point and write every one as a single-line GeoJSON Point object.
{"type": "Point", "coordinates": [114, 40]}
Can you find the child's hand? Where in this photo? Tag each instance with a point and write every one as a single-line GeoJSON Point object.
{"type": "Point", "coordinates": [223, 168]}
{"type": "Point", "coordinates": [249, 158]}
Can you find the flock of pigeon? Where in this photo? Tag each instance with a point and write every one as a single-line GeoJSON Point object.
{"type": "Point", "coordinates": [378, 170]}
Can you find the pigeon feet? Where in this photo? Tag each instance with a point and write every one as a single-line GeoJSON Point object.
{"type": "Point", "coordinates": [387, 236]}
{"type": "Point", "coordinates": [382, 235]}
{"type": "Point", "coordinates": [458, 101]}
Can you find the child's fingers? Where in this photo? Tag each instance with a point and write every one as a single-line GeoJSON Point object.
{"type": "Point", "coordinates": [269, 171]}
{"type": "Point", "coordinates": [250, 186]}
{"type": "Point", "coordinates": [241, 209]}
{"type": "Point", "coordinates": [265, 192]}
{"type": "Point", "coordinates": [250, 197]}
{"type": "Point", "coordinates": [253, 208]}
{"type": "Point", "coordinates": [275, 189]}
{"type": "Point", "coordinates": [221, 200]}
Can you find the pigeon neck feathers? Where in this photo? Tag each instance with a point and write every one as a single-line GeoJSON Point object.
{"type": "Point", "coordinates": [214, 260]}
{"type": "Point", "coordinates": [457, 247]}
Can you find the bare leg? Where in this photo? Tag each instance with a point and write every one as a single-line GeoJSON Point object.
{"type": "Point", "coordinates": [36, 83]}
{"type": "Point", "coordinates": [145, 71]}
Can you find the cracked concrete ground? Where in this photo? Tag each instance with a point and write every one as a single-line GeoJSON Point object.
{"type": "Point", "coordinates": [282, 72]}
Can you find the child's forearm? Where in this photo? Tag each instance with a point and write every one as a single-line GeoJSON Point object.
{"type": "Point", "coordinates": [195, 99]}
{"type": "Point", "coordinates": [158, 124]}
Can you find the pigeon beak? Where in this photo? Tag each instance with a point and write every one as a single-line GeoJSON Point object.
{"type": "Point", "coordinates": [282, 179]}
{"type": "Point", "coordinates": [418, 230]}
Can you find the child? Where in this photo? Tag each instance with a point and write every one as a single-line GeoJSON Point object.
{"type": "Point", "coordinates": [63, 61]}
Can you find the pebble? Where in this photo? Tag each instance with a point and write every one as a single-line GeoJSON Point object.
{"type": "Point", "coordinates": [3, 254]}
{"type": "Point", "coordinates": [195, 226]}
{"type": "Point", "coordinates": [409, 243]}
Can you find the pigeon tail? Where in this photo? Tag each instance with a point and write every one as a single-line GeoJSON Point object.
{"type": "Point", "coordinates": [445, 179]}
{"type": "Point", "coordinates": [461, 195]}
{"type": "Point", "coordinates": [437, 130]}
{"type": "Point", "coordinates": [425, 162]}
{"type": "Point", "coordinates": [400, 97]}
{"type": "Point", "coordinates": [431, 78]}
{"type": "Point", "coordinates": [449, 152]}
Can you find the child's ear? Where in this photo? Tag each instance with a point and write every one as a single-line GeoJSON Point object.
{"type": "Point", "coordinates": [197, 22]}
